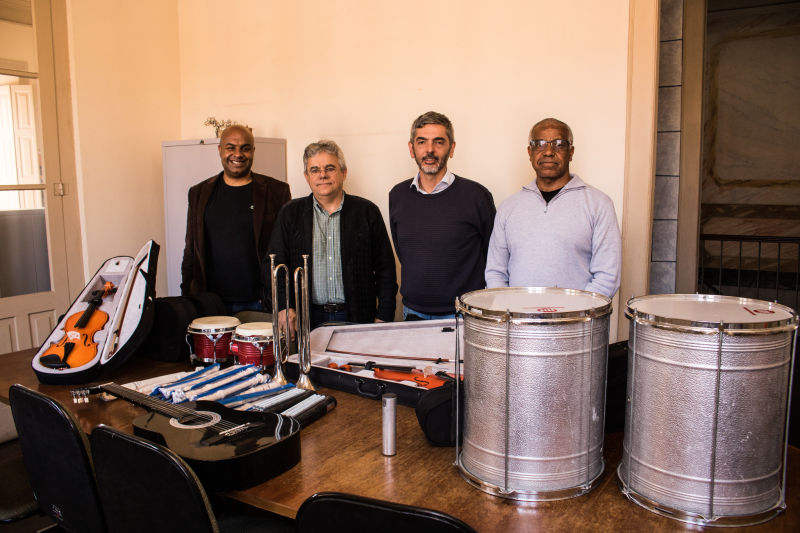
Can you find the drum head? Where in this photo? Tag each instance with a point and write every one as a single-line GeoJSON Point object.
{"type": "Point", "coordinates": [254, 329]}
{"type": "Point", "coordinates": [211, 324]}
{"type": "Point", "coordinates": [544, 303]}
{"type": "Point", "coordinates": [708, 311]}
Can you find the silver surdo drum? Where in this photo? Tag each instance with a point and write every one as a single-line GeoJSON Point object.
{"type": "Point", "coordinates": [708, 382]}
{"type": "Point", "coordinates": [534, 390]}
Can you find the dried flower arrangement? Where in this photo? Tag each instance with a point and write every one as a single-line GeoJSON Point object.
{"type": "Point", "coordinates": [219, 125]}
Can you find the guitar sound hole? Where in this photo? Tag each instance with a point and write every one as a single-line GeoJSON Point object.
{"type": "Point", "coordinates": [196, 420]}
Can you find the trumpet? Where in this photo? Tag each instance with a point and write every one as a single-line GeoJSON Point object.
{"type": "Point", "coordinates": [303, 324]}
{"type": "Point", "coordinates": [277, 350]}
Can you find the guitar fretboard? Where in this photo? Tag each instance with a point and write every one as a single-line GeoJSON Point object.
{"type": "Point", "coordinates": [184, 414]}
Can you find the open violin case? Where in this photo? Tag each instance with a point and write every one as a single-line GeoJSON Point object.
{"type": "Point", "coordinates": [105, 324]}
{"type": "Point", "coordinates": [405, 358]}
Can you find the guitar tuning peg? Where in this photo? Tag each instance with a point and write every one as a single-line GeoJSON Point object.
{"type": "Point", "coordinates": [80, 396]}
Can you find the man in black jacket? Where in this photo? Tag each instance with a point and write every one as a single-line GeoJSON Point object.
{"type": "Point", "coordinates": [351, 268]}
{"type": "Point", "coordinates": [228, 227]}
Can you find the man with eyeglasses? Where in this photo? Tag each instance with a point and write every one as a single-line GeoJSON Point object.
{"type": "Point", "coordinates": [440, 224]}
{"type": "Point", "coordinates": [351, 270]}
{"type": "Point", "coordinates": [557, 231]}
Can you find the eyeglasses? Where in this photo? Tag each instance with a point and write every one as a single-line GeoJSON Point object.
{"type": "Point", "coordinates": [329, 169]}
{"type": "Point", "coordinates": [558, 145]}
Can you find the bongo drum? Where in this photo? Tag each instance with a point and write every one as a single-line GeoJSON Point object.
{"type": "Point", "coordinates": [534, 390]}
{"type": "Point", "coordinates": [708, 390]}
{"type": "Point", "coordinates": [211, 336]}
{"type": "Point", "coordinates": [251, 344]}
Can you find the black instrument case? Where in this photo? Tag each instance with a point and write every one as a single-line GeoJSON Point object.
{"type": "Point", "coordinates": [129, 306]}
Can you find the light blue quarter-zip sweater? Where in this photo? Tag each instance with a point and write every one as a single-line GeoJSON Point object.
{"type": "Point", "coordinates": [573, 242]}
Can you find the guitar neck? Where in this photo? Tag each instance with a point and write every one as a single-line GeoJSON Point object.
{"type": "Point", "coordinates": [148, 402]}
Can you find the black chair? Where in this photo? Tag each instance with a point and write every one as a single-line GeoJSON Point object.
{"type": "Point", "coordinates": [146, 487]}
{"type": "Point", "coordinates": [56, 455]}
{"type": "Point", "coordinates": [336, 511]}
{"type": "Point", "coordinates": [16, 495]}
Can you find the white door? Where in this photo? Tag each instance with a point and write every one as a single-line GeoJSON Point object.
{"type": "Point", "coordinates": [33, 262]}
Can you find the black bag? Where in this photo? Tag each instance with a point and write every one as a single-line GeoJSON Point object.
{"type": "Point", "coordinates": [173, 314]}
{"type": "Point", "coordinates": [616, 387]}
{"type": "Point", "coordinates": [167, 339]}
{"type": "Point", "coordinates": [208, 304]}
{"type": "Point", "coordinates": [436, 413]}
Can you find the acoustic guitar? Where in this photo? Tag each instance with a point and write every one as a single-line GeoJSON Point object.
{"type": "Point", "coordinates": [227, 449]}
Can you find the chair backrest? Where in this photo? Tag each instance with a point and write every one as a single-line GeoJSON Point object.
{"type": "Point", "coordinates": [335, 511]}
{"type": "Point", "coordinates": [57, 458]}
{"type": "Point", "coordinates": [146, 487]}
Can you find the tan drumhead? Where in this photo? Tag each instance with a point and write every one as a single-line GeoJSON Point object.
{"type": "Point", "coordinates": [213, 324]}
{"type": "Point", "coordinates": [254, 329]}
{"type": "Point", "coordinates": [706, 310]}
{"type": "Point", "coordinates": [534, 303]}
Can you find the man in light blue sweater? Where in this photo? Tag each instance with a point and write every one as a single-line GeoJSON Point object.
{"type": "Point", "coordinates": [557, 231]}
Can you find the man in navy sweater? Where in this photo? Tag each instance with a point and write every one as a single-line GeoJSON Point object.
{"type": "Point", "coordinates": [440, 224]}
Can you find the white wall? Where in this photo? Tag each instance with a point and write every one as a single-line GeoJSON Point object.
{"type": "Point", "coordinates": [125, 102]}
{"type": "Point", "coordinates": [360, 72]}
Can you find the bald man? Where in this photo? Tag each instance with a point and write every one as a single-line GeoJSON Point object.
{"type": "Point", "coordinates": [228, 227]}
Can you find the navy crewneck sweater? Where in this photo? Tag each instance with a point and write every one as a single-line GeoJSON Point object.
{"type": "Point", "coordinates": [441, 240]}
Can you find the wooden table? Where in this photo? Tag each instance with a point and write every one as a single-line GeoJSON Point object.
{"type": "Point", "coordinates": [342, 452]}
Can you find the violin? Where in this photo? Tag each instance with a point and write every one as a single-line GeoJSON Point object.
{"type": "Point", "coordinates": [77, 346]}
{"type": "Point", "coordinates": [418, 376]}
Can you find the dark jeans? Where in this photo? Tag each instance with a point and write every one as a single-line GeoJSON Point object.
{"type": "Point", "coordinates": [319, 317]}
{"type": "Point", "coordinates": [235, 307]}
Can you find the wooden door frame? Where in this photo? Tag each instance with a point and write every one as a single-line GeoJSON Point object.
{"type": "Point", "coordinates": [640, 142]}
{"type": "Point", "coordinates": [52, 43]}
{"type": "Point", "coordinates": [29, 318]}
{"type": "Point", "coordinates": [691, 147]}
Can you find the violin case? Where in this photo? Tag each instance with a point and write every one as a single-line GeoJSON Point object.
{"type": "Point", "coordinates": [425, 345]}
{"type": "Point", "coordinates": [107, 344]}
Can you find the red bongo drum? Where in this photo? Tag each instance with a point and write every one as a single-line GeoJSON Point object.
{"type": "Point", "coordinates": [212, 337]}
{"type": "Point", "coordinates": [252, 344]}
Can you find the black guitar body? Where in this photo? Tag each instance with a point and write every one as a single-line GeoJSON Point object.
{"type": "Point", "coordinates": [259, 446]}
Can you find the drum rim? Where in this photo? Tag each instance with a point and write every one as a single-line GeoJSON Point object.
{"type": "Point", "coordinates": [529, 495]}
{"type": "Point", "coordinates": [213, 327]}
{"type": "Point", "coordinates": [688, 517]}
{"type": "Point", "coordinates": [591, 312]}
{"type": "Point", "coordinates": [251, 338]}
{"type": "Point", "coordinates": [208, 331]}
{"type": "Point", "coordinates": [692, 325]}
{"type": "Point", "coordinates": [251, 327]}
